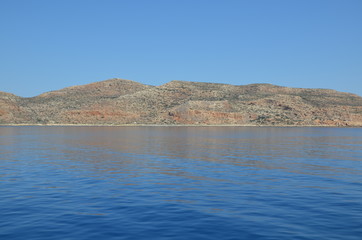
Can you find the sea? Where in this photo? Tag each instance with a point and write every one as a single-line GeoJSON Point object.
{"type": "Point", "coordinates": [178, 182]}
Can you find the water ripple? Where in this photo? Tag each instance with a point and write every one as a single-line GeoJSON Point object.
{"type": "Point", "coordinates": [180, 183]}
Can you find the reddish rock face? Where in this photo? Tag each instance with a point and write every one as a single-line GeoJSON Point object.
{"type": "Point", "coordinates": [11, 111]}
{"type": "Point", "coordinates": [118, 101]}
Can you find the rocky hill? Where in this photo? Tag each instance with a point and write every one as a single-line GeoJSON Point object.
{"type": "Point", "coordinates": [119, 101]}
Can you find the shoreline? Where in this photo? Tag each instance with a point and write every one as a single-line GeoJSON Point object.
{"type": "Point", "coordinates": [167, 125]}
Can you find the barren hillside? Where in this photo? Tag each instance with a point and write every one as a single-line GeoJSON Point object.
{"type": "Point", "coordinates": [119, 101]}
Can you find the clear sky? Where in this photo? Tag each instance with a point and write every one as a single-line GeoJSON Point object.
{"type": "Point", "coordinates": [50, 44]}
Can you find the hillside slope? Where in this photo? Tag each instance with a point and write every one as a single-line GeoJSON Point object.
{"type": "Point", "coordinates": [119, 101]}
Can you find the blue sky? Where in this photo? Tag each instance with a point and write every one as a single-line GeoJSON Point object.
{"type": "Point", "coordinates": [51, 44]}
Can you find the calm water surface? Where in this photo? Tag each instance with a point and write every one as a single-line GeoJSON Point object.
{"type": "Point", "coordinates": [180, 183]}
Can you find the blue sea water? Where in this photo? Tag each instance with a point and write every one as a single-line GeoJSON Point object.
{"type": "Point", "coordinates": [180, 183]}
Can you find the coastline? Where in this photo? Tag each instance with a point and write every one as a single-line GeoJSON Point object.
{"type": "Point", "coordinates": [168, 125]}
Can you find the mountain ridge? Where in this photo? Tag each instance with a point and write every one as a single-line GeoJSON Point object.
{"type": "Point", "coordinates": [120, 101]}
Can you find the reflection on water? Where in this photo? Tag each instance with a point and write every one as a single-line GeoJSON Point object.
{"type": "Point", "coordinates": [180, 183]}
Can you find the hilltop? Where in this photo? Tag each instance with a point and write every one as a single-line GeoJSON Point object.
{"type": "Point", "coordinates": [119, 101]}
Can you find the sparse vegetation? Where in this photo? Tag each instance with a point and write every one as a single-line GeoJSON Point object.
{"type": "Point", "coordinates": [118, 101]}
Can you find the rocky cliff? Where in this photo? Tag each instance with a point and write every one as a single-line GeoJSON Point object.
{"type": "Point", "coordinates": [119, 101]}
